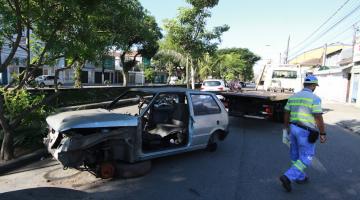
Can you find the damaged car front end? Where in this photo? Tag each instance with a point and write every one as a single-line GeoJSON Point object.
{"type": "Point", "coordinates": [94, 138]}
{"type": "Point", "coordinates": [90, 137]}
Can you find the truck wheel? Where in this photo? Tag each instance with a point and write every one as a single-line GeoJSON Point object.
{"type": "Point", "coordinates": [42, 85]}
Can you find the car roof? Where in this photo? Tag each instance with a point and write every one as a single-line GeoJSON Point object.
{"type": "Point", "coordinates": [213, 80]}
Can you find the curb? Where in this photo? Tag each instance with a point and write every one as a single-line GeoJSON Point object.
{"type": "Point", "coordinates": [22, 161]}
{"type": "Point", "coordinates": [350, 128]}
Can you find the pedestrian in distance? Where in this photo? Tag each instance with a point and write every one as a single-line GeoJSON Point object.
{"type": "Point", "coordinates": [304, 123]}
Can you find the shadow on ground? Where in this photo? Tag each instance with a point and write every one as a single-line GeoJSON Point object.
{"type": "Point", "coordinates": [44, 193]}
{"type": "Point", "coordinates": [352, 125]}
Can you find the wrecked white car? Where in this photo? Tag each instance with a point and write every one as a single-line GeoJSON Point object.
{"type": "Point", "coordinates": [141, 124]}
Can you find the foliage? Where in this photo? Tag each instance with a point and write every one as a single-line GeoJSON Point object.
{"type": "Point", "coordinates": [78, 31]}
{"type": "Point", "coordinates": [149, 73]}
{"type": "Point", "coordinates": [188, 30]}
{"type": "Point", "coordinates": [33, 126]}
{"type": "Point", "coordinates": [189, 35]}
{"type": "Point", "coordinates": [229, 64]}
{"type": "Point", "coordinates": [169, 61]}
{"type": "Point", "coordinates": [239, 61]}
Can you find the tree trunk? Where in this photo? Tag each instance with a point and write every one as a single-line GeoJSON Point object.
{"type": "Point", "coordinates": [192, 75]}
{"type": "Point", "coordinates": [78, 69]}
{"type": "Point", "coordinates": [187, 73]}
{"type": "Point", "coordinates": [125, 75]}
{"type": "Point", "coordinates": [7, 147]}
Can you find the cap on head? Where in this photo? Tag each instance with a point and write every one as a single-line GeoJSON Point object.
{"type": "Point", "coordinates": [311, 79]}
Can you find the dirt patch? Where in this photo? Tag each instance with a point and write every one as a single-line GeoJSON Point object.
{"type": "Point", "coordinates": [70, 178]}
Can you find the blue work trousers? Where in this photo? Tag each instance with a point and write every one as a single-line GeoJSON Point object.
{"type": "Point", "coordinates": [301, 153]}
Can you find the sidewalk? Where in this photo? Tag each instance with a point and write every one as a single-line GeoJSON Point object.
{"type": "Point", "coordinates": [344, 115]}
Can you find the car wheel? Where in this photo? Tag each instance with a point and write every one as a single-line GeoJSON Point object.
{"type": "Point", "coordinates": [212, 145]}
{"type": "Point", "coordinates": [133, 170]}
{"type": "Point", "coordinates": [42, 85]}
{"type": "Point", "coordinates": [107, 170]}
{"type": "Point", "coordinates": [59, 85]}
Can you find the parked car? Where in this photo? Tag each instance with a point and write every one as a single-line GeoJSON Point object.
{"type": "Point", "coordinates": [214, 85]}
{"type": "Point", "coordinates": [173, 80]}
{"type": "Point", "coordinates": [141, 124]}
{"type": "Point", "coordinates": [47, 80]}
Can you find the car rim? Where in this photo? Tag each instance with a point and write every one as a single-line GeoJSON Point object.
{"type": "Point", "coordinates": [107, 170]}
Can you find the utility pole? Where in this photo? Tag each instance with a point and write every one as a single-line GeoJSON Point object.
{"type": "Point", "coordinates": [287, 51]}
{"type": "Point", "coordinates": [356, 29]}
{"type": "Point", "coordinates": [324, 55]}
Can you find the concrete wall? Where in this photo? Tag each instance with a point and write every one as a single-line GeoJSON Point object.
{"type": "Point", "coordinates": [333, 87]}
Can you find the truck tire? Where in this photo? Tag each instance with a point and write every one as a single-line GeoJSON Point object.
{"type": "Point", "coordinates": [42, 85]}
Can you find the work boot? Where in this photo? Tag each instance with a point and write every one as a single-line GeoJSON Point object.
{"type": "Point", "coordinates": [304, 181]}
{"type": "Point", "coordinates": [285, 183]}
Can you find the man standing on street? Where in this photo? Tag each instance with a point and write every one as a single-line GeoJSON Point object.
{"type": "Point", "coordinates": [303, 120]}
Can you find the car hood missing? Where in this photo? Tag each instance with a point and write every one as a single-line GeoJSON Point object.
{"type": "Point", "coordinates": [93, 118]}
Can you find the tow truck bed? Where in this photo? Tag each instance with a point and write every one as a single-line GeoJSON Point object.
{"type": "Point", "coordinates": [256, 104]}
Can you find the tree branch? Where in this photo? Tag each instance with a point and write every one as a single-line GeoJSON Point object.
{"type": "Point", "coordinates": [13, 43]}
{"type": "Point", "coordinates": [17, 120]}
{"type": "Point", "coordinates": [18, 37]}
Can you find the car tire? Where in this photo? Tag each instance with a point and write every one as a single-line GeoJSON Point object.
{"type": "Point", "coordinates": [59, 85]}
{"type": "Point", "coordinates": [42, 85]}
{"type": "Point", "coordinates": [132, 170]}
{"type": "Point", "coordinates": [212, 145]}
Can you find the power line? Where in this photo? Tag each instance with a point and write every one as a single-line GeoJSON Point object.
{"type": "Point", "coordinates": [329, 29]}
{"type": "Point", "coordinates": [345, 30]}
{"type": "Point", "coordinates": [322, 25]}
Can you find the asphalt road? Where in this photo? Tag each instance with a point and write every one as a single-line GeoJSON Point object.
{"type": "Point", "coordinates": [245, 166]}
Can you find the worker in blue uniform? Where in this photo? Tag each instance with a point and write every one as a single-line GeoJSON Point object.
{"type": "Point", "coordinates": [304, 122]}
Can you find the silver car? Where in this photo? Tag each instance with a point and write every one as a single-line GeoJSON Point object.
{"type": "Point", "coordinates": [141, 124]}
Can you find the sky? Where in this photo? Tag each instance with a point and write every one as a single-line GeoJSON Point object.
{"type": "Point", "coordinates": [263, 26]}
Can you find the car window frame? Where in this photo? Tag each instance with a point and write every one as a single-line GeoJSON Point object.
{"type": "Point", "coordinates": [212, 97]}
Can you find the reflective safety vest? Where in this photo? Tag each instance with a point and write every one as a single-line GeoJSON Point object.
{"type": "Point", "coordinates": [302, 107]}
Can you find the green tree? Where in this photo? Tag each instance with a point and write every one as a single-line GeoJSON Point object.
{"type": "Point", "coordinates": [79, 31]}
{"type": "Point", "coordinates": [237, 61]}
{"type": "Point", "coordinates": [188, 31]}
{"type": "Point", "coordinates": [149, 74]}
{"type": "Point", "coordinates": [137, 31]}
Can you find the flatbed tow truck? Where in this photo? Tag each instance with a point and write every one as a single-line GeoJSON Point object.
{"type": "Point", "coordinates": [256, 104]}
